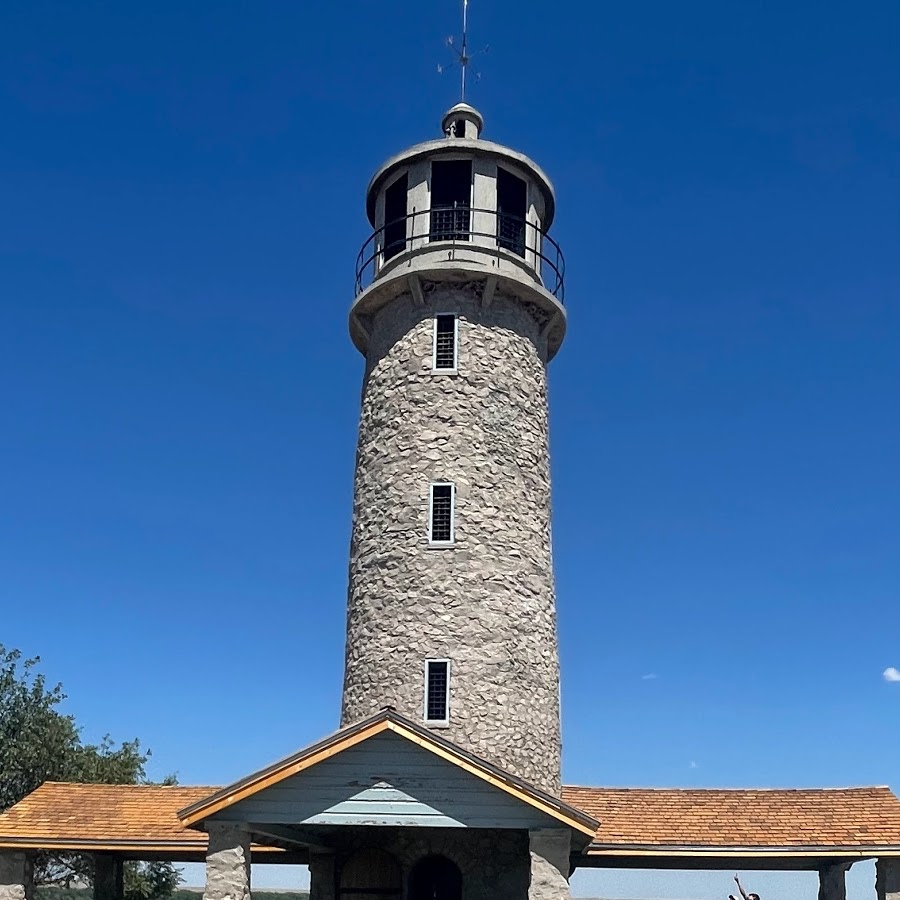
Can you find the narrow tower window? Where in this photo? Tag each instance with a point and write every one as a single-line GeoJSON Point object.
{"type": "Point", "coordinates": [444, 350]}
{"type": "Point", "coordinates": [395, 217]}
{"type": "Point", "coordinates": [441, 513]}
{"type": "Point", "coordinates": [451, 197]}
{"type": "Point", "coordinates": [437, 691]}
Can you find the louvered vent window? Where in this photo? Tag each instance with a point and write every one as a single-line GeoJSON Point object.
{"type": "Point", "coordinates": [437, 690]}
{"type": "Point", "coordinates": [441, 514]}
{"type": "Point", "coordinates": [444, 343]}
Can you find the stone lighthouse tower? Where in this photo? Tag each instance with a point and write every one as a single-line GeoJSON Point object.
{"type": "Point", "coordinates": [451, 608]}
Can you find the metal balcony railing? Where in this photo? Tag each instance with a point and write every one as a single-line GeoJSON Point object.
{"type": "Point", "coordinates": [484, 228]}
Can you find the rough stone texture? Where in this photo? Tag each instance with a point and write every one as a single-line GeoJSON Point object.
{"type": "Point", "coordinates": [108, 877]}
{"type": "Point", "coordinates": [16, 875]}
{"type": "Point", "coordinates": [832, 882]}
{"type": "Point", "coordinates": [227, 863]}
{"type": "Point", "coordinates": [488, 602]}
{"type": "Point", "coordinates": [549, 849]}
{"type": "Point", "coordinates": [887, 879]}
{"type": "Point", "coordinates": [494, 864]}
{"type": "Point", "coordinates": [321, 875]}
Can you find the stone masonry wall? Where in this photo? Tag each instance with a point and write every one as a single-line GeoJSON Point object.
{"type": "Point", "coordinates": [494, 864]}
{"type": "Point", "coordinates": [487, 603]}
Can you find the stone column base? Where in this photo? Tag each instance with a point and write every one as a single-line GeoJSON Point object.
{"type": "Point", "coordinates": [16, 875]}
{"type": "Point", "coordinates": [887, 879]}
{"type": "Point", "coordinates": [227, 862]}
{"type": "Point", "coordinates": [322, 876]}
{"type": "Point", "coordinates": [832, 884]}
{"type": "Point", "coordinates": [550, 849]}
{"type": "Point", "coordinates": [109, 881]}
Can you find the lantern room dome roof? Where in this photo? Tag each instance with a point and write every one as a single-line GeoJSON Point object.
{"type": "Point", "coordinates": [451, 144]}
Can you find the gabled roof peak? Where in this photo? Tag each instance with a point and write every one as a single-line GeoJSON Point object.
{"type": "Point", "coordinates": [388, 720]}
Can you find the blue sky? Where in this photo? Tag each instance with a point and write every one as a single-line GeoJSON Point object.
{"type": "Point", "coordinates": [182, 203]}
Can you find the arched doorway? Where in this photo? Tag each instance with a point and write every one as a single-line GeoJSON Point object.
{"type": "Point", "coordinates": [370, 875]}
{"type": "Point", "coordinates": [435, 878]}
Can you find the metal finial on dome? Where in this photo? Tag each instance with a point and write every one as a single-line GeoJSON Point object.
{"type": "Point", "coordinates": [463, 59]}
{"type": "Point", "coordinates": [464, 52]}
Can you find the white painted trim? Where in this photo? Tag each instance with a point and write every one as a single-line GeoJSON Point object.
{"type": "Point", "coordinates": [446, 719]}
{"type": "Point", "coordinates": [434, 369]}
{"type": "Point", "coordinates": [431, 487]}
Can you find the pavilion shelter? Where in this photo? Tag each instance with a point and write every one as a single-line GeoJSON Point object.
{"type": "Point", "coordinates": [363, 802]}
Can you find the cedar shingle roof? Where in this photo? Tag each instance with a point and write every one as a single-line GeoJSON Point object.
{"type": "Point", "coordinates": [128, 817]}
{"type": "Point", "coordinates": [841, 817]}
{"type": "Point", "coordinates": [104, 813]}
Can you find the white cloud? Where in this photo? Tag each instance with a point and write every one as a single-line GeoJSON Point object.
{"type": "Point", "coordinates": [650, 676]}
{"type": "Point", "coordinates": [891, 674]}
{"type": "Point", "coordinates": [693, 765]}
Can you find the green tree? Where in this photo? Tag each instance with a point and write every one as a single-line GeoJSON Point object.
{"type": "Point", "coordinates": [39, 743]}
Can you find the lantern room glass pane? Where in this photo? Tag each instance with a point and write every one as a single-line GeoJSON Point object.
{"type": "Point", "coordinates": [512, 199]}
{"type": "Point", "coordinates": [451, 199]}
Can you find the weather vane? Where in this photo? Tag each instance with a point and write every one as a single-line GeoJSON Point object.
{"type": "Point", "coordinates": [463, 60]}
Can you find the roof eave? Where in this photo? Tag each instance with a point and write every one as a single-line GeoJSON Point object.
{"type": "Point", "coordinates": [807, 850]}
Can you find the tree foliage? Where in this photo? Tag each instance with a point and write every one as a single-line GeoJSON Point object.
{"type": "Point", "coordinates": [39, 743]}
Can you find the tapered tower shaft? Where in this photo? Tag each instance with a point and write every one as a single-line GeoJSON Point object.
{"type": "Point", "coordinates": [451, 608]}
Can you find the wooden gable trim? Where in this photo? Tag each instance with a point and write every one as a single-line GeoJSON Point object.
{"type": "Point", "coordinates": [523, 796]}
{"type": "Point", "coordinates": [293, 765]}
{"type": "Point", "coordinates": [299, 762]}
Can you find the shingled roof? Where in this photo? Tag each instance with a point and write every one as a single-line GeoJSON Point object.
{"type": "Point", "coordinates": [132, 819]}
{"type": "Point", "coordinates": [786, 822]}
{"type": "Point", "coordinates": [852, 822]}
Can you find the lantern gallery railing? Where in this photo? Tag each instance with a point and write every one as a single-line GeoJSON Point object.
{"type": "Point", "coordinates": [460, 225]}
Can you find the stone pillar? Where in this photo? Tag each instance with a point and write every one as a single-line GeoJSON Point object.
{"type": "Point", "coordinates": [16, 875]}
{"type": "Point", "coordinates": [322, 875]}
{"type": "Point", "coordinates": [887, 879]}
{"type": "Point", "coordinates": [550, 848]}
{"type": "Point", "coordinates": [108, 877]}
{"type": "Point", "coordinates": [832, 885]}
{"type": "Point", "coordinates": [227, 862]}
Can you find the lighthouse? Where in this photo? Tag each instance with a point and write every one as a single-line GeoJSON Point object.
{"type": "Point", "coordinates": [451, 615]}
{"type": "Point", "coordinates": [443, 780]}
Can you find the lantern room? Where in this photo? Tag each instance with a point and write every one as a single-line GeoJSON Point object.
{"type": "Point", "coordinates": [465, 206]}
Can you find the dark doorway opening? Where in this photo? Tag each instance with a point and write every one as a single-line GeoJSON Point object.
{"type": "Point", "coordinates": [395, 217]}
{"type": "Point", "coordinates": [451, 193]}
{"type": "Point", "coordinates": [512, 195]}
{"type": "Point", "coordinates": [435, 878]}
{"type": "Point", "coordinates": [370, 875]}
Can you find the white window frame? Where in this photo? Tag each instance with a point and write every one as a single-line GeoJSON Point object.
{"type": "Point", "coordinates": [446, 719]}
{"type": "Point", "coordinates": [431, 487]}
{"type": "Point", "coordinates": [434, 332]}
